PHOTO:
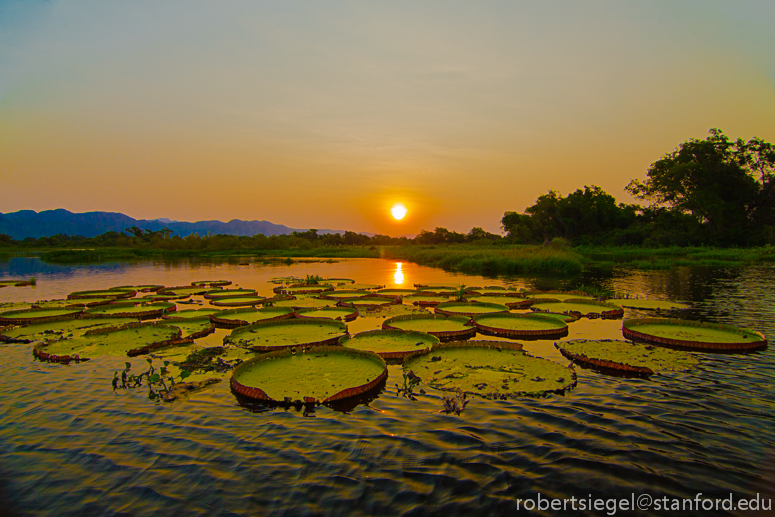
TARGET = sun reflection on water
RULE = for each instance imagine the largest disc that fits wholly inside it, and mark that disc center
(398, 275)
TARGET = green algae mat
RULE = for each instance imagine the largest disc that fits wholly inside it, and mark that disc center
(336, 313)
(26, 316)
(510, 301)
(127, 340)
(580, 307)
(319, 375)
(491, 369)
(626, 356)
(520, 325)
(191, 314)
(267, 336)
(468, 308)
(61, 329)
(229, 293)
(649, 305)
(692, 334)
(443, 327)
(390, 344)
(237, 301)
(240, 317)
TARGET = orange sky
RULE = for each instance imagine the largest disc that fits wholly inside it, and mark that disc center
(323, 115)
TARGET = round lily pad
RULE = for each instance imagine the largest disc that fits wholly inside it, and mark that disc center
(301, 302)
(491, 369)
(238, 301)
(344, 293)
(445, 328)
(303, 289)
(367, 287)
(424, 299)
(240, 317)
(131, 339)
(558, 295)
(336, 313)
(183, 290)
(69, 304)
(520, 326)
(229, 293)
(396, 292)
(191, 314)
(425, 287)
(27, 316)
(211, 283)
(339, 281)
(194, 328)
(16, 283)
(512, 302)
(496, 289)
(60, 329)
(692, 334)
(156, 297)
(366, 302)
(391, 344)
(649, 305)
(146, 288)
(267, 336)
(625, 356)
(105, 293)
(320, 375)
(580, 308)
(142, 311)
(469, 309)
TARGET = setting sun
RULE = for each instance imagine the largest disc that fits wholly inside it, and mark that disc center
(398, 210)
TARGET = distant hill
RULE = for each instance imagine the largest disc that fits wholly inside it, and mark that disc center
(28, 223)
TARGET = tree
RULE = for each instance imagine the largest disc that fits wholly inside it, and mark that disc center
(727, 187)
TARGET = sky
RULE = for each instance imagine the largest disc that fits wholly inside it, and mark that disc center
(324, 114)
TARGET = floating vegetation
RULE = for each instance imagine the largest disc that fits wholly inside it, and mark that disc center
(469, 309)
(446, 328)
(267, 336)
(194, 328)
(301, 302)
(132, 310)
(491, 369)
(105, 293)
(17, 283)
(229, 293)
(366, 287)
(428, 287)
(27, 316)
(535, 326)
(163, 297)
(693, 334)
(60, 329)
(511, 301)
(425, 299)
(162, 385)
(303, 289)
(79, 302)
(240, 317)
(147, 288)
(558, 295)
(580, 308)
(625, 356)
(391, 344)
(211, 283)
(184, 290)
(490, 289)
(344, 293)
(336, 313)
(338, 281)
(396, 292)
(131, 339)
(649, 305)
(238, 301)
(320, 375)
(369, 302)
(191, 314)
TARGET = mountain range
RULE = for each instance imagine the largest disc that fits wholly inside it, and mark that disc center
(28, 223)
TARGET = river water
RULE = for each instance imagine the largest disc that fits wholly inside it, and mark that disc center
(71, 446)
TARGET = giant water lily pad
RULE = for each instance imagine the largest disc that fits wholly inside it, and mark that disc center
(240, 317)
(391, 344)
(366, 302)
(16, 283)
(443, 327)
(367, 287)
(78, 302)
(61, 329)
(144, 288)
(266, 336)
(194, 328)
(424, 299)
(302, 302)
(304, 289)
(336, 313)
(533, 326)
(105, 293)
(238, 301)
(322, 374)
(692, 334)
(512, 302)
(184, 290)
(338, 281)
(559, 295)
(131, 339)
(489, 289)
(27, 316)
(649, 305)
(396, 292)
(229, 293)
(131, 310)
(625, 356)
(580, 307)
(492, 369)
(469, 309)
(211, 283)
(191, 314)
(340, 294)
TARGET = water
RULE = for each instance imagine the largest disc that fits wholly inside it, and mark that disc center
(71, 446)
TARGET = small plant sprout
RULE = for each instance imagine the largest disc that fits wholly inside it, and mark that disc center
(157, 380)
(410, 382)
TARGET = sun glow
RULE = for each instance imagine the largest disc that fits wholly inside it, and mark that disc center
(398, 210)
